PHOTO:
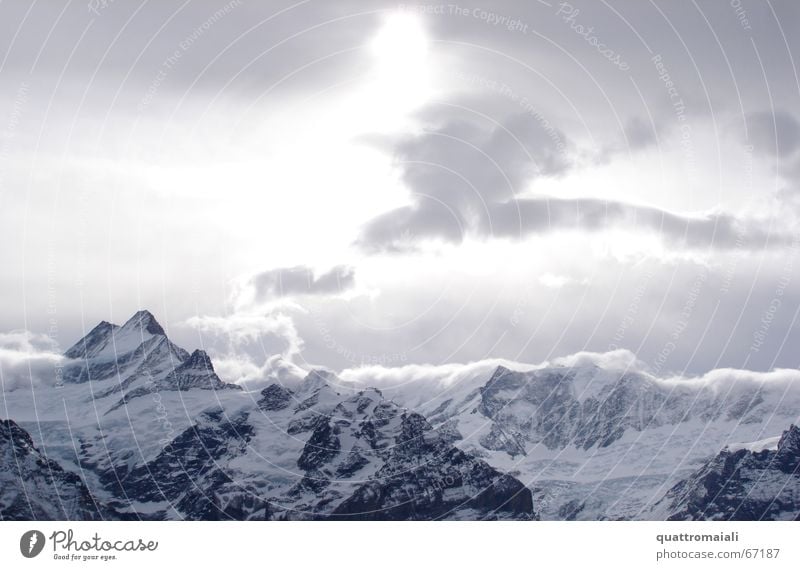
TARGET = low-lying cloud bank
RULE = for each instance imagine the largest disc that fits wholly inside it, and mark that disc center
(417, 385)
(29, 360)
(32, 360)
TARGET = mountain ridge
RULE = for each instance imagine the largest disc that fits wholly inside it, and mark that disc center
(571, 441)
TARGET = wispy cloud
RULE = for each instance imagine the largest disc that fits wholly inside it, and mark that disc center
(301, 280)
(28, 359)
(252, 347)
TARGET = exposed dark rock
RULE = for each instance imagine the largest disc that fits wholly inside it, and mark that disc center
(275, 397)
(742, 485)
(425, 478)
(33, 487)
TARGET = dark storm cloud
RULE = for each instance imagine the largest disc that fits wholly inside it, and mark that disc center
(301, 280)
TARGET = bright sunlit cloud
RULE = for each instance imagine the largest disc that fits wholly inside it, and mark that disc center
(401, 45)
(400, 80)
(319, 163)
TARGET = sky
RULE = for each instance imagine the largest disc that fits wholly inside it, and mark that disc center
(345, 184)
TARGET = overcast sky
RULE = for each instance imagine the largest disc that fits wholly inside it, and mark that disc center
(339, 183)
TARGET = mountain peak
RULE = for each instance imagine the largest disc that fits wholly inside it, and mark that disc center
(199, 359)
(501, 371)
(11, 433)
(94, 341)
(789, 442)
(145, 320)
(318, 378)
(196, 371)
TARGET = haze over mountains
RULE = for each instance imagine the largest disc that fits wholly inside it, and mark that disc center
(140, 428)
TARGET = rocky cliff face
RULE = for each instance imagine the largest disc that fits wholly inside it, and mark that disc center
(35, 488)
(752, 482)
(189, 479)
(426, 478)
(196, 372)
(360, 457)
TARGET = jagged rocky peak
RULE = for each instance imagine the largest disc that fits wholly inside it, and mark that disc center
(789, 443)
(145, 321)
(501, 375)
(199, 360)
(425, 478)
(11, 433)
(275, 397)
(136, 349)
(197, 371)
(94, 341)
(318, 378)
(108, 337)
(513, 382)
(500, 371)
(756, 481)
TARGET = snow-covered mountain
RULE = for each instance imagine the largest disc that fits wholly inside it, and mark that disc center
(141, 428)
(157, 434)
(759, 481)
(607, 442)
(136, 352)
(35, 488)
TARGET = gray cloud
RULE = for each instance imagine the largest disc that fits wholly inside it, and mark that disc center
(466, 173)
(460, 167)
(639, 133)
(539, 215)
(301, 280)
(776, 134)
(28, 360)
(251, 44)
(400, 229)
